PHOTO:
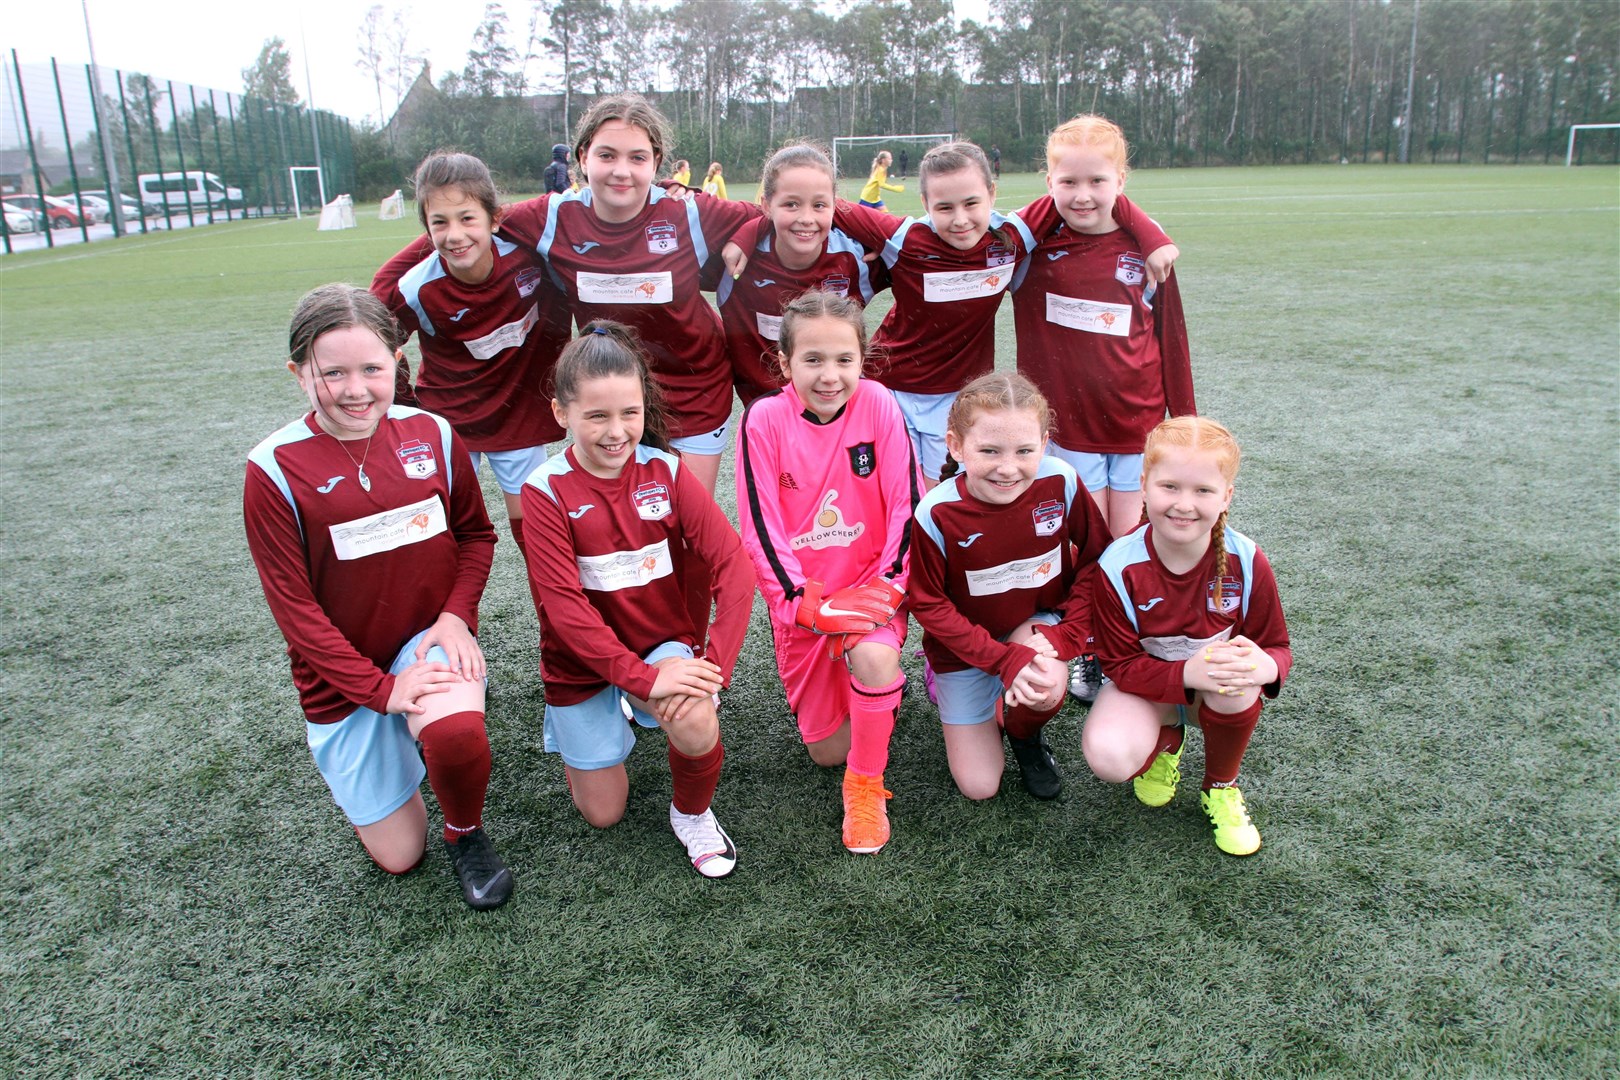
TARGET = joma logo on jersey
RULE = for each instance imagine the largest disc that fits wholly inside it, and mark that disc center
(662, 238)
(1048, 517)
(418, 460)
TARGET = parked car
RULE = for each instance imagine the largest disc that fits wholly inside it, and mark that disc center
(58, 212)
(134, 209)
(193, 188)
(21, 221)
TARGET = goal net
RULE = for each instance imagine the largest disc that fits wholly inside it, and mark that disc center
(393, 207)
(853, 154)
(337, 214)
(308, 189)
(1595, 143)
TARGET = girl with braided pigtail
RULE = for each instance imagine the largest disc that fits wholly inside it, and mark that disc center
(1186, 617)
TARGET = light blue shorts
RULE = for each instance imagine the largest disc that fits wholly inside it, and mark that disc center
(1116, 472)
(593, 733)
(511, 467)
(969, 696)
(710, 444)
(369, 759)
(925, 416)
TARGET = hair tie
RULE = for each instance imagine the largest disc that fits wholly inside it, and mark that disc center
(599, 330)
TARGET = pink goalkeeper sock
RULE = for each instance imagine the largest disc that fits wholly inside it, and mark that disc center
(871, 722)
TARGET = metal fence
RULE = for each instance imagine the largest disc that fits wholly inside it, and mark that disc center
(87, 153)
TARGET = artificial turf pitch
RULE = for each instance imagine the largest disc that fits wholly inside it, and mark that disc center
(1423, 366)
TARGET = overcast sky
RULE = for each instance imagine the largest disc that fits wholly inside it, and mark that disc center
(208, 44)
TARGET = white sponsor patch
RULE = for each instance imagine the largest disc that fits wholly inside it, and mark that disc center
(509, 336)
(1092, 316)
(1180, 647)
(1018, 574)
(625, 569)
(389, 530)
(770, 326)
(656, 288)
(941, 288)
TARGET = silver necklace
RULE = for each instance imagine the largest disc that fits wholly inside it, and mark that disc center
(360, 466)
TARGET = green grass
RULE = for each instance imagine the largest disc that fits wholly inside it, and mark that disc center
(1422, 365)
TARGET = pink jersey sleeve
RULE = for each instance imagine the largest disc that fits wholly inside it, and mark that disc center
(554, 577)
(278, 553)
(710, 534)
(901, 492)
(764, 535)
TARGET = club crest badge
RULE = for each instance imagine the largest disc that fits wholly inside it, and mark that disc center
(999, 254)
(418, 460)
(651, 501)
(836, 283)
(1225, 595)
(528, 280)
(1130, 269)
(1048, 517)
(662, 238)
(862, 459)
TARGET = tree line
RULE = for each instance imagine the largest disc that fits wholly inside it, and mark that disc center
(1193, 82)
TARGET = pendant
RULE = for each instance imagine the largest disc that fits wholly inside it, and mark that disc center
(365, 481)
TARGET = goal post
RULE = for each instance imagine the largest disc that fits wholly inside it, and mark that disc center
(1569, 155)
(849, 146)
(320, 188)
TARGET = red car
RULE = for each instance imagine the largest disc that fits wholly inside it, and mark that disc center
(59, 212)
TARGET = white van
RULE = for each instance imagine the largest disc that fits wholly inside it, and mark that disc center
(173, 189)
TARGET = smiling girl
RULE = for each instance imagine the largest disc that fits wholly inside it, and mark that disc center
(825, 489)
(1000, 583)
(373, 547)
(1187, 618)
(800, 251)
(614, 524)
(487, 319)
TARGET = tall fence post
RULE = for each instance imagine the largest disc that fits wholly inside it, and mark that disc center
(180, 152)
(33, 156)
(73, 169)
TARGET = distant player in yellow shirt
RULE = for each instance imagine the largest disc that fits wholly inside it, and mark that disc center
(683, 173)
(872, 193)
(715, 183)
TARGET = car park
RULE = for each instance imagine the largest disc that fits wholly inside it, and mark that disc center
(58, 212)
(21, 221)
(134, 210)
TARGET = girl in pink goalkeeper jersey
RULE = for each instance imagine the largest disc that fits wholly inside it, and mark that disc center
(826, 485)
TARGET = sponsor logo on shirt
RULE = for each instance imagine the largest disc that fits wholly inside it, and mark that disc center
(829, 529)
(625, 569)
(862, 459)
(1130, 269)
(657, 288)
(1179, 646)
(651, 501)
(389, 529)
(944, 286)
(528, 280)
(417, 459)
(1225, 595)
(662, 238)
(505, 337)
(1092, 316)
(770, 326)
(1031, 573)
(1048, 517)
